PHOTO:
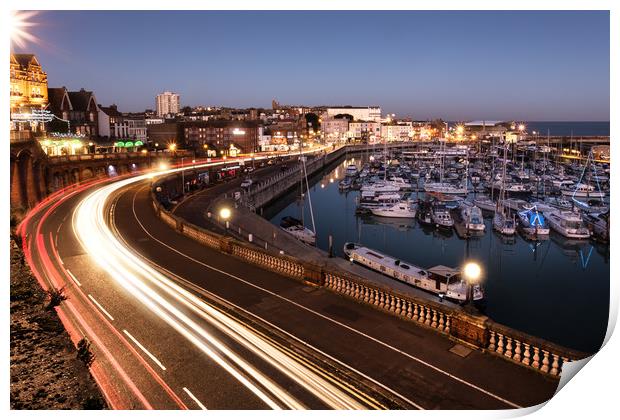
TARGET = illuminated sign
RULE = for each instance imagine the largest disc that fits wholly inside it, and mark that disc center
(238, 132)
(36, 115)
(66, 135)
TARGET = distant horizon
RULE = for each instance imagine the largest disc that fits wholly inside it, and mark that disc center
(478, 63)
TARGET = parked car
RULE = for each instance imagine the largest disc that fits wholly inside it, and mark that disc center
(246, 184)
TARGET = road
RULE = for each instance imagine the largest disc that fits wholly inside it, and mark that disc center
(175, 325)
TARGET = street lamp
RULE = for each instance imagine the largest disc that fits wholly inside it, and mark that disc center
(172, 147)
(472, 272)
(225, 215)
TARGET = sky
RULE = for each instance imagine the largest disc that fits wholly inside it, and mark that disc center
(517, 65)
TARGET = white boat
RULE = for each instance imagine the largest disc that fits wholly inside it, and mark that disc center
(441, 216)
(583, 191)
(441, 280)
(568, 223)
(400, 183)
(445, 188)
(533, 222)
(371, 200)
(380, 187)
(403, 209)
(296, 228)
(351, 170)
(484, 202)
(472, 217)
(515, 204)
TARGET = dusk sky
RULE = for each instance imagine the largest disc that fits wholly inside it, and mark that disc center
(455, 65)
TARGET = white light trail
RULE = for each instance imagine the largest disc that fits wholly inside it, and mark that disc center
(167, 300)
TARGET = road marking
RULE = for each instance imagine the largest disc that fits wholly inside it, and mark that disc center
(410, 356)
(196, 400)
(101, 307)
(73, 277)
(148, 353)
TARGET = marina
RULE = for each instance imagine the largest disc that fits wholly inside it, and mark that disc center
(530, 267)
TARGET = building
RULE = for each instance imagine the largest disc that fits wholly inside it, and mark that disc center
(220, 135)
(28, 92)
(77, 112)
(334, 129)
(400, 131)
(364, 131)
(362, 113)
(118, 126)
(167, 103)
(161, 135)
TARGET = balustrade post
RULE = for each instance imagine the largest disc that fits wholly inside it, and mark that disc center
(517, 355)
(545, 361)
(434, 321)
(508, 353)
(536, 362)
(427, 320)
(526, 354)
(555, 365)
(492, 341)
(500, 343)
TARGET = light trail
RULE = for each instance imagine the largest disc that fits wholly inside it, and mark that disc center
(167, 299)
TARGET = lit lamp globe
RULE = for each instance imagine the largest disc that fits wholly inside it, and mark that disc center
(225, 213)
(472, 272)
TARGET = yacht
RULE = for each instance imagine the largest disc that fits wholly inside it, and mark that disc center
(441, 280)
(371, 200)
(533, 222)
(296, 228)
(400, 183)
(403, 209)
(381, 187)
(441, 216)
(568, 223)
(582, 191)
(424, 213)
(351, 170)
(472, 217)
(345, 184)
(598, 224)
(445, 188)
(484, 202)
(504, 224)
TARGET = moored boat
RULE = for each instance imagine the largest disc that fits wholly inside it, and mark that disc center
(568, 223)
(440, 280)
(296, 228)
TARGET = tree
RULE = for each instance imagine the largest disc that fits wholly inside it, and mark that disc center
(313, 120)
(186, 110)
(347, 116)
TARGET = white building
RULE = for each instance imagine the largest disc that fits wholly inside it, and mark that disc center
(167, 103)
(334, 129)
(402, 131)
(364, 130)
(362, 113)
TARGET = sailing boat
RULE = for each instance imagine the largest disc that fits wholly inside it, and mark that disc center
(446, 187)
(295, 226)
(501, 222)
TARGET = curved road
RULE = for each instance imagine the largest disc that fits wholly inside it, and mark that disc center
(176, 325)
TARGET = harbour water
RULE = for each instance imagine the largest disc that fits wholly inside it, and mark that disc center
(557, 289)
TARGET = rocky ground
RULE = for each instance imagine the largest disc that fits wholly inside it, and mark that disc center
(46, 372)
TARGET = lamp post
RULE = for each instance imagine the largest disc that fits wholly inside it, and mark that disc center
(225, 214)
(472, 272)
